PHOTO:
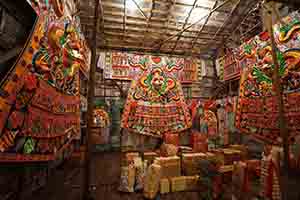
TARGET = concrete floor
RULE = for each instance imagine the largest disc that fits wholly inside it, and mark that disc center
(65, 183)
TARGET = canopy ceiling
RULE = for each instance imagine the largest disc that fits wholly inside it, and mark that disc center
(179, 27)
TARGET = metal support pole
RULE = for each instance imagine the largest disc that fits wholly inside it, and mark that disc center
(91, 94)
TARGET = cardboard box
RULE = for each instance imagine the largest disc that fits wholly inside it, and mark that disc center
(243, 149)
(170, 166)
(178, 184)
(192, 183)
(190, 163)
(150, 157)
(200, 147)
(217, 154)
(184, 183)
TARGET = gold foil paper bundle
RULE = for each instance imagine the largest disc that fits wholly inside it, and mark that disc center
(170, 166)
(150, 156)
(190, 163)
(242, 148)
(168, 150)
(141, 169)
(231, 155)
(184, 183)
(184, 149)
(127, 179)
(178, 184)
(226, 168)
(165, 186)
(152, 181)
(128, 158)
(218, 155)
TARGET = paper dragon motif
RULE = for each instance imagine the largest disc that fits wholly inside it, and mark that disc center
(258, 107)
(39, 99)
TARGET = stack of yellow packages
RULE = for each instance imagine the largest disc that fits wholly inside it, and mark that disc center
(184, 183)
(184, 149)
(190, 163)
(192, 183)
(152, 181)
(165, 186)
(218, 155)
(231, 156)
(226, 168)
(170, 166)
(242, 148)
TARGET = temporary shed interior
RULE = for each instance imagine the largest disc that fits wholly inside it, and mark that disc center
(149, 99)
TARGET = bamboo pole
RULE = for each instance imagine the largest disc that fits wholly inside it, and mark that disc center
(278, 90)
(91, 94)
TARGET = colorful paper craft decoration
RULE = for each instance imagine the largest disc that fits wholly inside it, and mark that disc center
(155, 103)
(101, 118)
(39, 101)
(258, 109)
(117, 65)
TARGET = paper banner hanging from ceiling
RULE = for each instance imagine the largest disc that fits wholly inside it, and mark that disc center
(257, 112)
(116, 65)
(39, 99)
(155, 103)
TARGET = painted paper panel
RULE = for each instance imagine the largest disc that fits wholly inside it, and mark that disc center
(155, 103)
(39, 100)
(118, 65)
(258, 108)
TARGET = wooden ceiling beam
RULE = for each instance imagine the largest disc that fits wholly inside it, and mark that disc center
(228, 18)
(249, 13)
(131, 42)
(110, 25)
(225, 23)
(151, 51)
(185, 23)
(110, 37)
(101, 17)
(119, 31)
(153, 35)
(139, 9)
(148, 22)
(203, 25)
(124, 18)
(195, 23)
(252, 8)
(136, 20)
(203, 7)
